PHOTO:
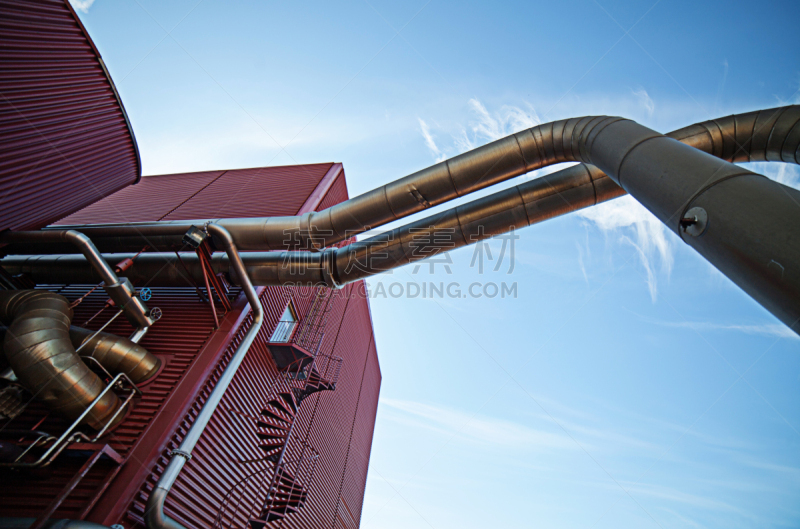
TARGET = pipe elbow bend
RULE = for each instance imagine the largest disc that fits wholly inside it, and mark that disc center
(154, 517)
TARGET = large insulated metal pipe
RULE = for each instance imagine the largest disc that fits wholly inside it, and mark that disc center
(765, 135)
(114, 353)
(119, 290)
(762, 135)
(38, 348)
(745, 224)
(154, 512)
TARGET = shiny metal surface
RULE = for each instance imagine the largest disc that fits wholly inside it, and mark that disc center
(115, 354)
(154, 515)
(119, 290)
(66, 139)
(771, 138)
(740, 203)
(38, 348)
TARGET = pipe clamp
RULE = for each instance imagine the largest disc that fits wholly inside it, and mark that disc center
(183, 453)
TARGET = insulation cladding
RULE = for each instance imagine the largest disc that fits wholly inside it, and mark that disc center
(337, 424)
(66, 140)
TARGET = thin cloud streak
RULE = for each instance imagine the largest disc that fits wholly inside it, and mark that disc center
(429, 142)
(477, 428)
(645, 100)
(636, 226)
(777, 330)
(483, 127)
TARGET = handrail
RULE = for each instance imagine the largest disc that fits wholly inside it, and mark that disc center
(67, 437)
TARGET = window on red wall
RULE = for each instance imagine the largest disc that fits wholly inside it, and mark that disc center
(285, 327)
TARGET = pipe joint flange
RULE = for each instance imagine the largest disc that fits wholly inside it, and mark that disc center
(328, 265)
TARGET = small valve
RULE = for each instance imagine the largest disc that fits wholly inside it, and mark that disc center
(145, 294)
(155, 314)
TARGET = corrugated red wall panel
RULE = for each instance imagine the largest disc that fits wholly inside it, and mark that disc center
(66, 141)
(153, 198)
(338, 424)
(245, 192)
(209, 195)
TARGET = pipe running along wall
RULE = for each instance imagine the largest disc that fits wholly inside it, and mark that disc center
(666, 176)
(765, 135)
(119, 290)
(154, 512)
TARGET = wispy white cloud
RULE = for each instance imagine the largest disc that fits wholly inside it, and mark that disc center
(641, 229)
(777, 330)
(645, 100)
(581, 265)
(507, 120)
(82, 5)
(477, 428)
(429, 142)
(677, 496)
(482, 127)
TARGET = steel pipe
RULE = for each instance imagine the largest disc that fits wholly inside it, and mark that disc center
(115, 353)
(514, 208)
(38, 348)
(118, 289)
(743, 223)
(764, 135)
(604, 142)
(154, 513)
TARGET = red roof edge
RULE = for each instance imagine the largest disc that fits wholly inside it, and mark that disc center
(316, 196)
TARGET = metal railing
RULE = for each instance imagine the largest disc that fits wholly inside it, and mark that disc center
(71, 434)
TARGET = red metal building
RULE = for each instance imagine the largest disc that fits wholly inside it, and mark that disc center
(66, 137)
(56, 93)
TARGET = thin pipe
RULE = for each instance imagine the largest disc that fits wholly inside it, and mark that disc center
(120, 291)
(154, 514)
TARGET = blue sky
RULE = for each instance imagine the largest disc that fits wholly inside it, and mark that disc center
(629, 384)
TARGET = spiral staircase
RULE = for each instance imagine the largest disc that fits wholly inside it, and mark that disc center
(284, 483)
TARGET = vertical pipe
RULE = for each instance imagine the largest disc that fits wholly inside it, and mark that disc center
(154, 514)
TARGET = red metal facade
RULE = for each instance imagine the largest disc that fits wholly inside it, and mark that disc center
(327, 422)
(151, 199)
(209, 195)
(337, 424)
(66, 137)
